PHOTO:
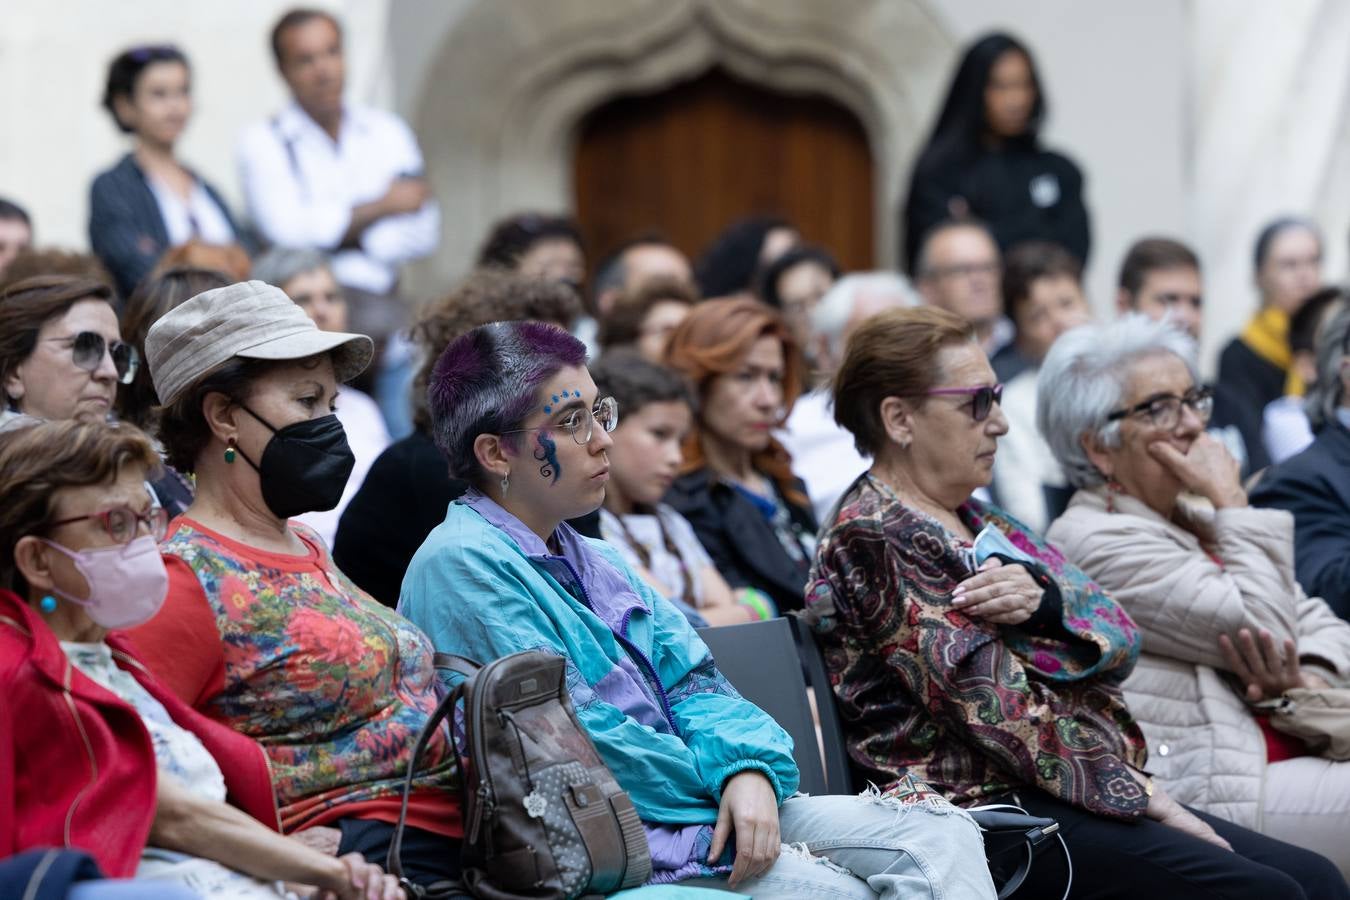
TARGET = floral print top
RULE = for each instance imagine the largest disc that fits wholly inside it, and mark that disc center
(287, 650)
(973, 708)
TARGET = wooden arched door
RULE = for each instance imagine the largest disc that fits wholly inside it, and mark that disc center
(689, 160)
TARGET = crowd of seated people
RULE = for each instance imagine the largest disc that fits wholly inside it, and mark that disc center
(248, 490)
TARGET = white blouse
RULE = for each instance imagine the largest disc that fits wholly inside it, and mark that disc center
(179, 754)
(199, 217)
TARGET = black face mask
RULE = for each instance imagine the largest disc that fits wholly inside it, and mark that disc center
(304, 466)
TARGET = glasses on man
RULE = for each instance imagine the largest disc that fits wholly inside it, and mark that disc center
(87, 349)
(123, 524)
(982, 399)
(1165, 411)
(581, 423)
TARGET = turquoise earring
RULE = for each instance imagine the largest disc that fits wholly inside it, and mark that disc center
(47, 604)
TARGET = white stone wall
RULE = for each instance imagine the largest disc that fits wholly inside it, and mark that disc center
(55, 136)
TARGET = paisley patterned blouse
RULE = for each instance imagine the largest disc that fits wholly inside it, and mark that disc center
(973, 708)
(288, 651)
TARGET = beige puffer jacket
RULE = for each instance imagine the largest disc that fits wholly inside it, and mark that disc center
(1204, 745)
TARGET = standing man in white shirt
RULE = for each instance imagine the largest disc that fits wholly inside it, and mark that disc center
(327, 174)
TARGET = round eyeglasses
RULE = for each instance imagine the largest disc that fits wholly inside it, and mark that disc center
(581, 423)
(122, 523)
(1165, 411)
(87, 349)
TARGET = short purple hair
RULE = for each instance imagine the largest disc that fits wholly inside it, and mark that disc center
(485, 382)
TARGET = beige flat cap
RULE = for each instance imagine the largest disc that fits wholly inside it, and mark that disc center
(252, 320)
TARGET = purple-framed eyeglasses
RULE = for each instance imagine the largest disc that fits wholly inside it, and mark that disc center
(982, 399)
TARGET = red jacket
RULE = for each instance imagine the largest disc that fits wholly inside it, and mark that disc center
(77, 767)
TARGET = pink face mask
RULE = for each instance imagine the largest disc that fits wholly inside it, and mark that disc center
(127, 582)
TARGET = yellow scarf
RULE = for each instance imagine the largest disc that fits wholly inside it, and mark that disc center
(1267, 334)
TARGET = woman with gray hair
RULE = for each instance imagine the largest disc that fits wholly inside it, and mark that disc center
(1161, 522)
(965, 651)
(1315, 484)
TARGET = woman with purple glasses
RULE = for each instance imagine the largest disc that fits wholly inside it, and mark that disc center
(966, 652)
(61, 353)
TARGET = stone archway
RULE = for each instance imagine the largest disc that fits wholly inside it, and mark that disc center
(501, 100)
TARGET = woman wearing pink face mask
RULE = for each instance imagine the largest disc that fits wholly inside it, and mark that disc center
(94, 753)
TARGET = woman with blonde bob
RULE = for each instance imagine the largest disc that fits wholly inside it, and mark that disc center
(966, 651)
(1161, 521)
(737, 489)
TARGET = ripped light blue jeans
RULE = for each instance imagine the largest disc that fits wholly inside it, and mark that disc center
(868, 847)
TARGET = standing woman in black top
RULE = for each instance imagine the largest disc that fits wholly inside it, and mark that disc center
(150, 201)
(984, 158)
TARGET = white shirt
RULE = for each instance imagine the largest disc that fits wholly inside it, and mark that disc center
(823, 454)
(180, 754)
(678, 573)
(199, 217)
(1024, 464)
(300, 187)
(368, 437)
(1285, 429)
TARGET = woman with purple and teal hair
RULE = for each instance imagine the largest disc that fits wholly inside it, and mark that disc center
(516, 413)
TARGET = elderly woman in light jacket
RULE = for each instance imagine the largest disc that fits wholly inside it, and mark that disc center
(1161, 522)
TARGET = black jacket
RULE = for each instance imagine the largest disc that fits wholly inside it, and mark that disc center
(1315, 487)
(126, 230)
(1021, 192)
(742, 544)
(1252, 382)
(405, 495)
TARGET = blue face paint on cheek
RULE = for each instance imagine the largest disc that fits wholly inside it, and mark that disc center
(547, 453)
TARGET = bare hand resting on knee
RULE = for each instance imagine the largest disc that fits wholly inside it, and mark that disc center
(750, 808)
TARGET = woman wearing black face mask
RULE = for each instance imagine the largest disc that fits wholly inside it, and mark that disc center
(260, 630)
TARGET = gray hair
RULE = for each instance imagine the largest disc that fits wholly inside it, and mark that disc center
(280, 264)
(830, 316)
(1327, 395)
(1082, 381)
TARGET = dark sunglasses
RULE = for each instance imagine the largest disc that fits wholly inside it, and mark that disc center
(982, 399)
(87, 349)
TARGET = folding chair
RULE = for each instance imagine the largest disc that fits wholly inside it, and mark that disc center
(765, 661)
(1005, 832)
(760, 661)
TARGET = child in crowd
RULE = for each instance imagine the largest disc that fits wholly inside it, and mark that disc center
(656, 406)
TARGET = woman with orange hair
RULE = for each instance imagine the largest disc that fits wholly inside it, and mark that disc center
(737, 488)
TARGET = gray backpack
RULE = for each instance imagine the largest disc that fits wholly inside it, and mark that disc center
(543, 816)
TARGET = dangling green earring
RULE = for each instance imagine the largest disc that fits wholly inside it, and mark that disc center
(47, 604)
(229, 455)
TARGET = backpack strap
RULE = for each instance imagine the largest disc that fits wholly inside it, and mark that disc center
(393, 863)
